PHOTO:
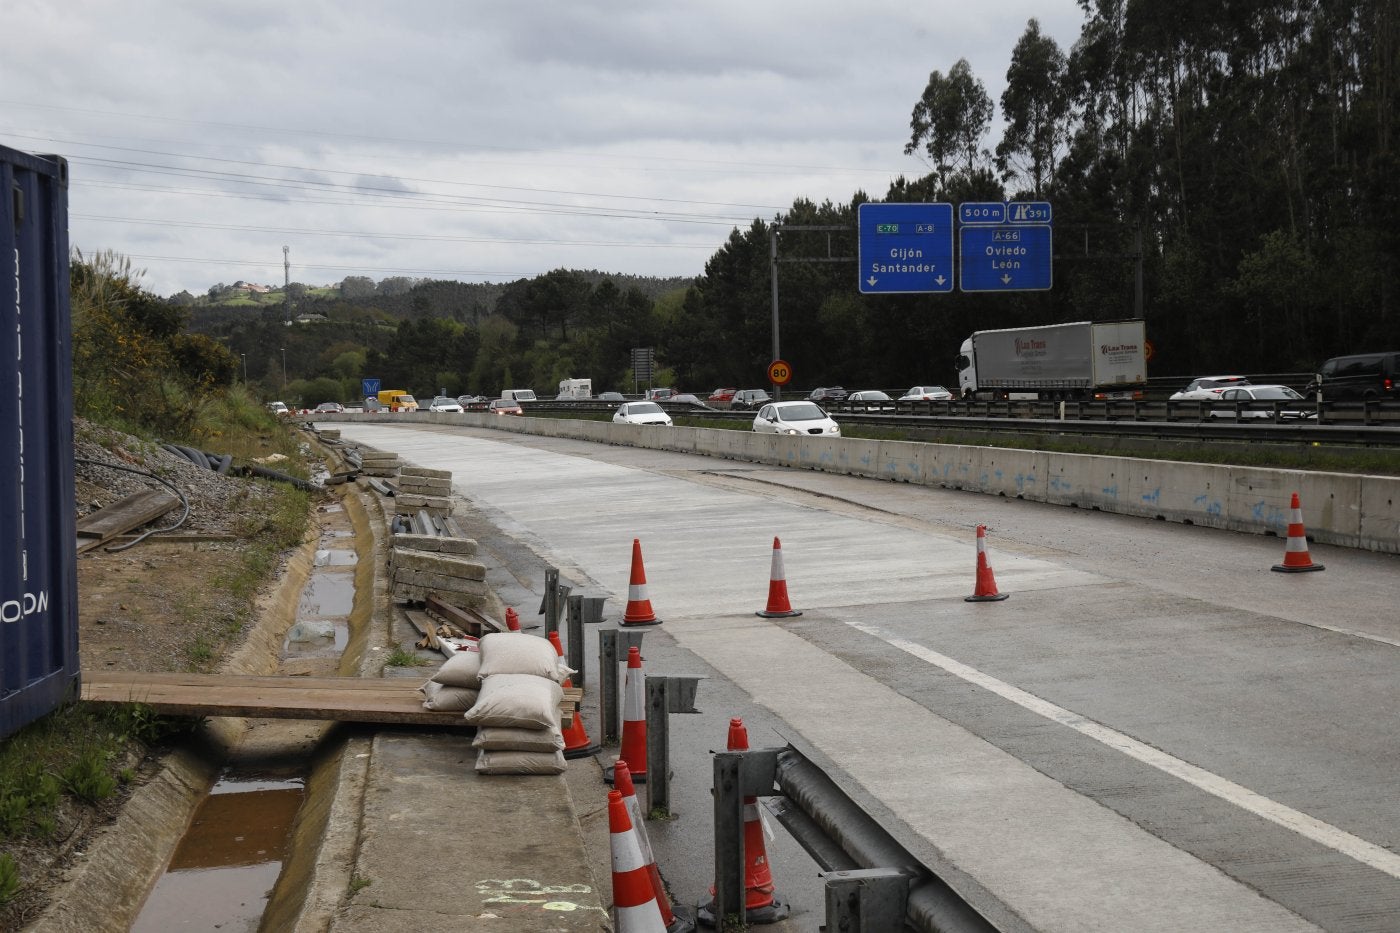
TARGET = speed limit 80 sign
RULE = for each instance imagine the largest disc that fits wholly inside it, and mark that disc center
(779, 372)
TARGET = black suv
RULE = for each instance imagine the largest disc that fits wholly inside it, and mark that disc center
(750, 399)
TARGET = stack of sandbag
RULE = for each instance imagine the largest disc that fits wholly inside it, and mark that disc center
(517, 711)
(456, 685)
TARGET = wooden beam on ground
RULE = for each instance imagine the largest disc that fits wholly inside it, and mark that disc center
(137, 509)
(468, 620)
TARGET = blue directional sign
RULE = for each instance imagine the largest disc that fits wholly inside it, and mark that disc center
(905, 248)
(982, 212)
(1005, 258)
(1028, 212)
(369, 387)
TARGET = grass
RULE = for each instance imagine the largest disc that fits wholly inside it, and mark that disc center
(76, 755)
(402, 657)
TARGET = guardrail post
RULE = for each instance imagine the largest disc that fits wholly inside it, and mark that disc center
(736, 775)
(561, 598)
(612, 648)
(866, 900)
(551, 580)
(664, 695)
(575, 647)
(593, 609)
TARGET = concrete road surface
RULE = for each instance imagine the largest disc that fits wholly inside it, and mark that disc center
(1154, 732)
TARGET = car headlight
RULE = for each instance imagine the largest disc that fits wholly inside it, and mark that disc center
(790, 431)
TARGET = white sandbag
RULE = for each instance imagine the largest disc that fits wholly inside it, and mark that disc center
(445, 699)
(463, 669)
(497, 739)
(519, 653)
(520, 700)
(489, 762)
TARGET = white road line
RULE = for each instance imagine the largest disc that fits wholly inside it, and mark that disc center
(1339, 840)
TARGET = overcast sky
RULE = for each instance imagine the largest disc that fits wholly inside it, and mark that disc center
(482, 141)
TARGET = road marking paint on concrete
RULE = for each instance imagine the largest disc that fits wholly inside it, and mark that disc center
(1339, 840)
(1059, 859)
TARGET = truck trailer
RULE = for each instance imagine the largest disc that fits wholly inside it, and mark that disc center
(1082, 360)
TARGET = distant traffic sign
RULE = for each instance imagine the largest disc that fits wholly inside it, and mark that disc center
(1005, 258)
(369, 388)
(779, 372)
(905, 248)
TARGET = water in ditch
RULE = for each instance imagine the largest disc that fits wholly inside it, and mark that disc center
(225, 867)
(228, 862)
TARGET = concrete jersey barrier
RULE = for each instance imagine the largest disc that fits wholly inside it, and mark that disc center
(1350, 510)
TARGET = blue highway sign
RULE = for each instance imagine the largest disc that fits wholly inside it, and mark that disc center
(369, 387)
(1005, 258)
(982, 212)
(1028, 212)
(905, 248)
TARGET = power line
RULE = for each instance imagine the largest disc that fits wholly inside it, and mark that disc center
(366, 234)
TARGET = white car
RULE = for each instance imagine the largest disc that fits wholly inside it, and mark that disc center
(278, 408)
(926, 394)
(1259, 402)
(641, 413)
(443, 403)
(1207, 388)
(794, 418)
(870, 400)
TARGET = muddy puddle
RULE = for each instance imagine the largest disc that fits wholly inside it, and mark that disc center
(224, 870)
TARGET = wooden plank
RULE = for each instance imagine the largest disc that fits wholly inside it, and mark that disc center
(341, 699)
(137, 509)
(469, 620)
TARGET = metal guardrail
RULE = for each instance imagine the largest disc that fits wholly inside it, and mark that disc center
(879, 884)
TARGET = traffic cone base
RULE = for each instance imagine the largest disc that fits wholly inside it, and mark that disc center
(986, 588)
(639, 611)
(778, 606)
(1296, 558)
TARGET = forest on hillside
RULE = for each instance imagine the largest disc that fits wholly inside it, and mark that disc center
(1237, 155)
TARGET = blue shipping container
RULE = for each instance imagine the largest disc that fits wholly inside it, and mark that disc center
(38, 564)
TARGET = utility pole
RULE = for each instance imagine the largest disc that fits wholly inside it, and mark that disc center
(284, 370)
(287, 282)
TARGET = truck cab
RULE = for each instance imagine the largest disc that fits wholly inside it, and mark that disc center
(966, 366)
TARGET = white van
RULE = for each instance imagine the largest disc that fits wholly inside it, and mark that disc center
(519, 395)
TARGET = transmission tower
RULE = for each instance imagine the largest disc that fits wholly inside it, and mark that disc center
(287, 280)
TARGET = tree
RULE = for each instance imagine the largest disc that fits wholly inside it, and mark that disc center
(1035, 105)
(950, 120)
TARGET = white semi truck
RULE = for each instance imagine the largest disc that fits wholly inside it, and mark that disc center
(1082, 360)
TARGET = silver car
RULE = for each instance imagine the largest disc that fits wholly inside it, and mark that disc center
(795, 418)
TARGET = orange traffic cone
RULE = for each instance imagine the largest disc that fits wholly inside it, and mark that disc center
(675, 923)
(634, 902)
(761, 905)
(512, 620)
(986, 590)
(778, 606)
(576, 742)
(1296, 558)
(639, 611)
(634, 720)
